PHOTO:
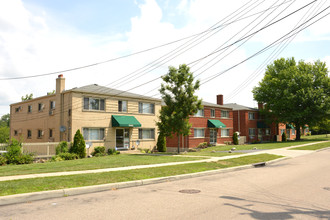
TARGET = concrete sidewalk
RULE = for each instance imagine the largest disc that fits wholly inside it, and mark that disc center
(281, 151)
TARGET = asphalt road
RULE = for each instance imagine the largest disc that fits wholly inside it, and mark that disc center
(296, 188)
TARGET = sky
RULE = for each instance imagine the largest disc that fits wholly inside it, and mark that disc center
(226, 44)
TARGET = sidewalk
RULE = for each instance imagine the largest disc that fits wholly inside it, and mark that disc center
(281, 151)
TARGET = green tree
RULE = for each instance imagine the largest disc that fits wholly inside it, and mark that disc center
(161, 143)
(294, 93)
(4, 134)
(322, 127)
(235, 138)
(177, 93)
(51, 93)
(27, 97)
(78, 147)
(5, 120)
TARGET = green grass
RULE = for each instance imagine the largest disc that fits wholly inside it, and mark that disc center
(210, 154)
(313, 147)
(61, 182)
(319, 137)
(121, 160)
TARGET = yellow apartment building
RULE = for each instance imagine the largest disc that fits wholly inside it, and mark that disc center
(105, 116)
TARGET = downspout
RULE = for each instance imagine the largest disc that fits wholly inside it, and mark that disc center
(239, 127)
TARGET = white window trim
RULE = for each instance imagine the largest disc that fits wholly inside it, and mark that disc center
(212, 109)
(99, 128)
(142, 134)
(199, 129)
(222, 114)
(254, 116)
(146, 113)
(200, 116)
(95, 110)
(227, 130)
(252, 135)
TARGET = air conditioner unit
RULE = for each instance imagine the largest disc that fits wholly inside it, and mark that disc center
(42, 133)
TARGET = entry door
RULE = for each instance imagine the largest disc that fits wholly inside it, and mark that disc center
(288, 133)
(122, 138)
(213, 136)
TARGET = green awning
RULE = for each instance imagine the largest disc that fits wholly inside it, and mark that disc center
(289, 126)
(261, 124)
(125, 121)
(215, 124)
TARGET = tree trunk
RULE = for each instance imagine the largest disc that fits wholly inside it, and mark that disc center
(298, 132)
(178, 143)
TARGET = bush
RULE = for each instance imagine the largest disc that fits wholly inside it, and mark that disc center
(24, 159)
(235, 138)
(14, 154)
(3, 161)
(79, 146)
(62, 147)
(99, 151)
(202, 145)
(284, 137)
(161, 143)
(113, 151)
(65, 156)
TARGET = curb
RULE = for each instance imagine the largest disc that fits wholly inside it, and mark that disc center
(35, 196)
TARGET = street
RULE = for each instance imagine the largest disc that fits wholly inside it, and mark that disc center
(296, 188)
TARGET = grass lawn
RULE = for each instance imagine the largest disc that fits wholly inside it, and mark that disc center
(61, 182)
(205, 152)
(121, 160)
(313, 147)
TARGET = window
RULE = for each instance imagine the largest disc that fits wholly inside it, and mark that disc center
(29, 134)
(69, 112)
(93, 104)
(93, 134)
(29, 108)
(252, 131)
(282, 131)
(293, 131)
(146, 108)
(199, 132)
(146, 133)
(200, 113)
(52, 105)
(18, 109)
(50, 133)
(15, 132)
(40, 133)
(224, 114)
(40, 107)
(267, 131)
(251, 116)
(212, 113)
(224, 132)
(122, 106)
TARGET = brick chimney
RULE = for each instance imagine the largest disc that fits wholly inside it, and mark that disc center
(220, 99)
(260, 106)
(60, 84)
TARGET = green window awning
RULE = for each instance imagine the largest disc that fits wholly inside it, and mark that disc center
(125, 121)
(215, 124)
(261, 124)
(289, 126)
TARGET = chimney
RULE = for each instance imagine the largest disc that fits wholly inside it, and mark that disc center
(220, 99)
(260, 106)
(60, 84)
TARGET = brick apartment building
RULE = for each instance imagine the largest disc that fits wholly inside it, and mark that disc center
(105, 116)
(213, 124)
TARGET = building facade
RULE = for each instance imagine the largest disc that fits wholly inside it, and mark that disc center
(213, 125)
(106, 117)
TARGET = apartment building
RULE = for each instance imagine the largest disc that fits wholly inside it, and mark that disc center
(212, 124)
(105, 116)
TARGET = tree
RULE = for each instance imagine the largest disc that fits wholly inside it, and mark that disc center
(235, 138)
(295, 93)
(322, 127)
(161, 143)
(5, 120)
(4, 128)
(51, 93)
(180, 102)
(78, 147)
(27, 97)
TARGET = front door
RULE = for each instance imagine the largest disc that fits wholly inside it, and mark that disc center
(122, 138)
(213, 136)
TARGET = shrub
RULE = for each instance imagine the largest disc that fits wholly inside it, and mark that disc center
(65, 156)
(3, 160)
(62, 147)
(14, 154)
(202, 145)
(99, 151)
(24, 159)
(113, 151)
(235, 138)
(78, 147)
(161, 143)
(284, 137)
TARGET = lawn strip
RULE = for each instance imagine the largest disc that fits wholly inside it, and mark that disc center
(122, 160)
(312, 147)
(62, 182)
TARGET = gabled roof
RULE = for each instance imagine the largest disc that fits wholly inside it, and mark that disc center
(102, 90)
(207, 104)
(235, 106)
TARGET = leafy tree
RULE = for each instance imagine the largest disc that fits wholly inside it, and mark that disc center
(294, 93)
(27, 97)
(62, 147)
(177, 93)
(322, 127)
(5, 120)
(4, 134)
(78, 147)
(161, 143)
(235, 138)
(51, 93)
